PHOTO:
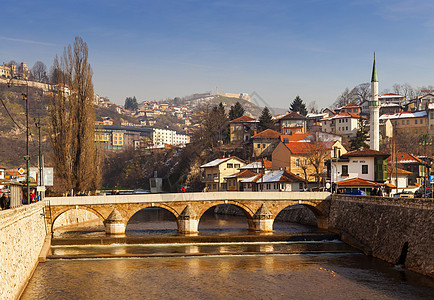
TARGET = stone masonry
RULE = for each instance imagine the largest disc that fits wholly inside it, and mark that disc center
(22, 234)
(397, 230)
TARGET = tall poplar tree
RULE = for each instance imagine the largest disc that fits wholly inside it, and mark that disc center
(72, 112)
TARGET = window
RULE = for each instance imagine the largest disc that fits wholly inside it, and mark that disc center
(415, 121)
(344, 170)
(236, 166)
(230, 166)
(403, 122)
(297, 162)
(347, 128)
(421, 121)
(415, 131)
(432, 116)
(263, 146)
(259, 146)
(364, 169)
(408, 122)
(300, 185)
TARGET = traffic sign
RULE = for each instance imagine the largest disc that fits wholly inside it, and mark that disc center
(40, 188)
(431, 179)
(21, 171)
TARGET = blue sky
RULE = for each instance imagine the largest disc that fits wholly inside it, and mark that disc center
(279, 49)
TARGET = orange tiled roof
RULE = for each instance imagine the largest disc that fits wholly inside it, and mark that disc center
(267, 134)
(406, 158)
(242, 119)
(294, 137)
(366, 152)
(245, 174)
(297, 147)
(357, 181)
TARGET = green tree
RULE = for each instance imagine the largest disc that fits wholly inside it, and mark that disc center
(298, 106)
(359, 141)
(131, 103)
(265, 120)
(72, 113)
(236, 111)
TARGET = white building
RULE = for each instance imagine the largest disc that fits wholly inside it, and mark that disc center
(344, 124)
(274, 181)
(168, 136)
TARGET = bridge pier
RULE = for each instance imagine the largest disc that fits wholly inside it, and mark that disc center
(322, 222)
(115, 223)
(263, 220)
(188, 221)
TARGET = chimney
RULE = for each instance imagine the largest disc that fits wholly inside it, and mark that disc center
(255, 132)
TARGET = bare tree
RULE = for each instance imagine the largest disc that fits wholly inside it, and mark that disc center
(343, 99)
(361, 92)
(39, 72)
(316, 153)
(72, 121)
(312, 107)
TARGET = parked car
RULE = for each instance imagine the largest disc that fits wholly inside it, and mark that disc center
(354, 192)
(404, 195)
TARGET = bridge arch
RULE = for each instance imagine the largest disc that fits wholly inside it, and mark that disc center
(138, 207)
(247, 211)
(320, 215)
(61, 212)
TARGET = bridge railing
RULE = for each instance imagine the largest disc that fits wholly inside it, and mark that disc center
(184, 197)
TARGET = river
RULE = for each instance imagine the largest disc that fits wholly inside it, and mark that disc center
(224, 261)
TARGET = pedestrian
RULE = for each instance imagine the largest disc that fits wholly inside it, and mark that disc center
(380, 192)
(183, 190)
(8, 202)
(3, 202)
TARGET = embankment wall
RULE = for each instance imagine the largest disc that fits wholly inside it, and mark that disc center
(397, 230)
(22, 234)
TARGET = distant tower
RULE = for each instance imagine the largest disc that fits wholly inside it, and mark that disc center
(374, 108)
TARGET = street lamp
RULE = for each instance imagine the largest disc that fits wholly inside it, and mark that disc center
(27, 156)
(425, 140)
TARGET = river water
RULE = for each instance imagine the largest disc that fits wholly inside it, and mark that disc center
(224, 261)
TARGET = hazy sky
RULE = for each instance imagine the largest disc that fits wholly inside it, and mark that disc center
(279, 49)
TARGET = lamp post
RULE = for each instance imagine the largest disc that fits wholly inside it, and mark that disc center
(41, 175)
(425, 140)
(27, 156)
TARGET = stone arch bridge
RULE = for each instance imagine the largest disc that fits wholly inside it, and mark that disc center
(260, 208)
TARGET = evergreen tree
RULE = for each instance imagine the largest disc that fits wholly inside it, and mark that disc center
(236, 111)
(298, 106)
(131, 103)
(359, 141)
(265, 120)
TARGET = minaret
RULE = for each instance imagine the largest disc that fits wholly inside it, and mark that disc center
(374, 108)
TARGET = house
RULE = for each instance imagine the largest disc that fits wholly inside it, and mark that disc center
(411, 163)
(294, 157)
(242, 129)
(260, 166)
(274, 181)
(292, 123)
(430, 118)
(234, 181)
(350, 108)
(214, 172)
(366, 164)
(391, 98)
(345, 124)
(265, 142)
(392, 174)
(408, 123)
(314, 121)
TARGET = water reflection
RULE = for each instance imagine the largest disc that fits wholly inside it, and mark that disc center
(353, 276)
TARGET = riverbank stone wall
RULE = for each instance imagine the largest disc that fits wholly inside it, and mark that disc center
(22, 234)
(397, 230)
